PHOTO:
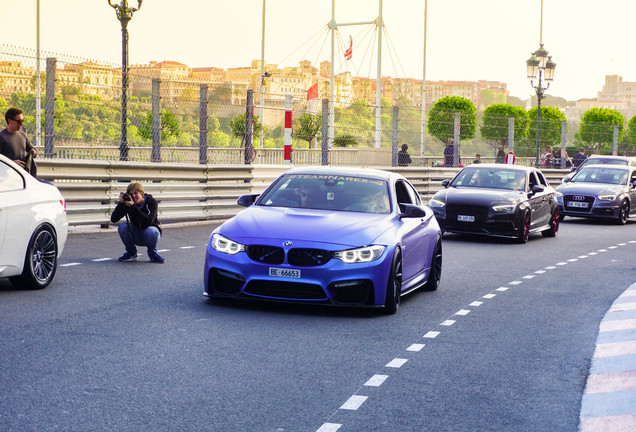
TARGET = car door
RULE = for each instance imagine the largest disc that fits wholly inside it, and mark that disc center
(632, 191)
(413, 234)
(539, 201)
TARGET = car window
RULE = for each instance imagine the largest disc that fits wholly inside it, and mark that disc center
(489, 177)
(414, 195)
(542, 180)
(533, 180)
(404, 194)
(10, 180)
(328, 192)
(601, 175)
(633, 177)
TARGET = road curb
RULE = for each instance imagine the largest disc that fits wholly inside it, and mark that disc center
(609, 399)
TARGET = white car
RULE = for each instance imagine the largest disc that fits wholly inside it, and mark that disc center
(33, 227)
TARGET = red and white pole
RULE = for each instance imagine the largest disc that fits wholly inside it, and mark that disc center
(288, 130)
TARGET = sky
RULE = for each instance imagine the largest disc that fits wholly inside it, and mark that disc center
(465, 39)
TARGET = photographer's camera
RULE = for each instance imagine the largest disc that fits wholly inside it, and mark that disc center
(126, 197)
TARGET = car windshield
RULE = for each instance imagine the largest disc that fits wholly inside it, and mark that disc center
(601, 175)
(329, 192)
(488, 177)
(603, 161)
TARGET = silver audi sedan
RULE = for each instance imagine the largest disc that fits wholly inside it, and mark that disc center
(599, 191)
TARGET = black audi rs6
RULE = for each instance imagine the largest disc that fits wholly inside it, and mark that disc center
(497, 200)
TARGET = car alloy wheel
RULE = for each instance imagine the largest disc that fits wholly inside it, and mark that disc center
(394, 285)
(623, 213)
(40, 262)
(524, 229)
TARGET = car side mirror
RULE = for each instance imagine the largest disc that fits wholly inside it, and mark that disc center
(537, 189)
(567, 179)
(445, 182)
(247, 200)
(411, 211)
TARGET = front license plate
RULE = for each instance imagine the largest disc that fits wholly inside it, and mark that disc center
(577, 204)
(286, 273)
(465, 218)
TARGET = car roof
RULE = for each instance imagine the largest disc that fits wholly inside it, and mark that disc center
(501, 166)
(340, 171)
(610, 157)
(606, 166)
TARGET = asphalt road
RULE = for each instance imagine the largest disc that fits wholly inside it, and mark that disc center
(504, 344)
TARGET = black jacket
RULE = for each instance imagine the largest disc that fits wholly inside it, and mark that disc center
(140, 216)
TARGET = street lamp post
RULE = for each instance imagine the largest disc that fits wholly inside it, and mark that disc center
(541, 66)
(124, 15)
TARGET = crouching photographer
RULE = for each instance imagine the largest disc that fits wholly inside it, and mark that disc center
(141, 227)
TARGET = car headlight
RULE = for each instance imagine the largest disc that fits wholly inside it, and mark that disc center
(504, 208)
(360, 255)
(435, 203)
(225, 245)
(609, 197)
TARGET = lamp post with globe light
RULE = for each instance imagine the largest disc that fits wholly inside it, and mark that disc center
(541, 66)
(124, 15)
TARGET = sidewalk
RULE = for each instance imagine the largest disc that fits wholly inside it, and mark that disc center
(609, 399)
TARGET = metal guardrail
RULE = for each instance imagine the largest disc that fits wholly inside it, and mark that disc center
(189, 192)
(186, 192)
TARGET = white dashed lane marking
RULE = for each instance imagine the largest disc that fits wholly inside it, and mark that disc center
(415, 347)
(70, 264)
(102, 259)
(396, 363)
(356, 401)
(376, 380)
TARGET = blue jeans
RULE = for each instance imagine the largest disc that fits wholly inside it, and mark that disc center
(131, 237)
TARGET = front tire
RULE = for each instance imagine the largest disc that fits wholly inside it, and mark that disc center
(623, 213)
(524, 229)
(435, 274)
(394, 285)
(40, 262)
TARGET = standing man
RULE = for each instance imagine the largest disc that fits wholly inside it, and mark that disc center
(15, 144)
(579, 158)
(403, 157)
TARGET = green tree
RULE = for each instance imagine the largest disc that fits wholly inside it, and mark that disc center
(597, 128)
(237, 125)
(307, 126)
(494, 129)
(550, 127)
(169, 125)
(631, 135)
(441, 118)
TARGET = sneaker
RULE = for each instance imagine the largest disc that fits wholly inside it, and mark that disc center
(156, 258)
(128, 257)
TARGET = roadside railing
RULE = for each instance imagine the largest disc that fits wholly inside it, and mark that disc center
(189, 192)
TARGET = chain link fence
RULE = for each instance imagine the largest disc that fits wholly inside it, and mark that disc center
(190, 115)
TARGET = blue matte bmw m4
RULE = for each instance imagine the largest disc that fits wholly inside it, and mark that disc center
(322, 235)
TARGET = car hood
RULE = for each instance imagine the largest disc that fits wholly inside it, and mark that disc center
(478, 196)
(584, 188)
(349, 229)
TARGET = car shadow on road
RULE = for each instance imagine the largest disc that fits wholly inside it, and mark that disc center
(290, 308)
